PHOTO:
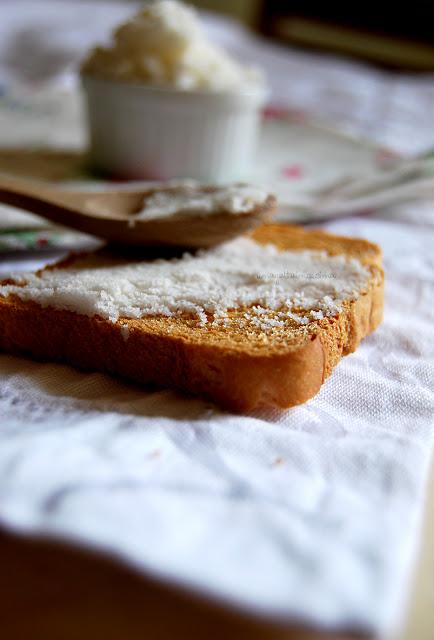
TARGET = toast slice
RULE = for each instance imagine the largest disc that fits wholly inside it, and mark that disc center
(238, 362)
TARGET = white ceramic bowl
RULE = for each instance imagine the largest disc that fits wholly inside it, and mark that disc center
(138, 131)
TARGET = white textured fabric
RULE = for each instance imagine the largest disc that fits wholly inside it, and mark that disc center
(311, 514)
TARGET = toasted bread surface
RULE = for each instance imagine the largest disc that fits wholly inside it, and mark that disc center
(237, 368)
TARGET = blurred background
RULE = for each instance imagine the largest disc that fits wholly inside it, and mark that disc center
(382, 32)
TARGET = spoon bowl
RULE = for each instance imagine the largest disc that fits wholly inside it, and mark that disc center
(113, 215)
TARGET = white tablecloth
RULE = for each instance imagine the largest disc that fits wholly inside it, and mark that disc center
(311, 514)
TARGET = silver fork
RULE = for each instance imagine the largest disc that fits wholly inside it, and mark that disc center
(410, 180)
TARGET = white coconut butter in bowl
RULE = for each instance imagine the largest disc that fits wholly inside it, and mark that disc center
(163, 102)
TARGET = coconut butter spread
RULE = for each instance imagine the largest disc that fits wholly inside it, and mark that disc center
(195, 200)
(275, 288)
(165, 45)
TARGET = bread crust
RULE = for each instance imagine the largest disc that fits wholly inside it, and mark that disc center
(237, 374)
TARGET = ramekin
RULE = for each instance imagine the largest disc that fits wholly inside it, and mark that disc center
(144, 132)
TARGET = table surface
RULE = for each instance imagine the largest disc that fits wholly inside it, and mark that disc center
(420, 620)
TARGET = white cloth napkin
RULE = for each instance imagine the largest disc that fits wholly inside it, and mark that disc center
(310, 515)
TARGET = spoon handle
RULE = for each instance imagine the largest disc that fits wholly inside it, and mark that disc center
(27, 194)
(45, 201)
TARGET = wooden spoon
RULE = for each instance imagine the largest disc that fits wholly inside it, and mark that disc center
(112, 215)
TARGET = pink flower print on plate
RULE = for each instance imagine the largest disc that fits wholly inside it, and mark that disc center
(292, 172)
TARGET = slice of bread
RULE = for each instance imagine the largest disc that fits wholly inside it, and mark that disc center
(236, 363)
